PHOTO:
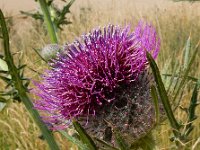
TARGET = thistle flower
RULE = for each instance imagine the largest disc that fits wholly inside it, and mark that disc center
(102, 77)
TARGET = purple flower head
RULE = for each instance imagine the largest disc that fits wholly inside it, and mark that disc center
(89, 74)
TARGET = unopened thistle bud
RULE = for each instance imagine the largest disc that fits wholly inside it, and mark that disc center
(50, 51)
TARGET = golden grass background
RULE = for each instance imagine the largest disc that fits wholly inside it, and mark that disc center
(174, 23)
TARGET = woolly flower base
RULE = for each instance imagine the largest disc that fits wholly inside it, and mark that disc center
(132, 113)
(101, 77)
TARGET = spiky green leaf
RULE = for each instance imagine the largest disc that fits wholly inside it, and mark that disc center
(36, 15)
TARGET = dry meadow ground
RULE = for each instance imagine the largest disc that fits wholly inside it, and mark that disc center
(174, 23)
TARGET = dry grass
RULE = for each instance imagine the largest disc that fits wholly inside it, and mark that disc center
(174, 22)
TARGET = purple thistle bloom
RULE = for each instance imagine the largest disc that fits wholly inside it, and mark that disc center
(90, 74)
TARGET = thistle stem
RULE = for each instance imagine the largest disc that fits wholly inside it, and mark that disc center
(14, 72)
(48, 21)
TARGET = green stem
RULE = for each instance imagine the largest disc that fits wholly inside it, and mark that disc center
(48, 21)
(14, 72)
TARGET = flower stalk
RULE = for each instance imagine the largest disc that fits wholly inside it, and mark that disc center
(49, 23)
(16, 79)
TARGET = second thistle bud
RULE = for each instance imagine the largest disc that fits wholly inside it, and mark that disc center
(50, 51)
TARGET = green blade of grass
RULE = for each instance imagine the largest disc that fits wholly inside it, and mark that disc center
(192, 108)
(176, 83)
(172, 79)
(14, 72)
(120, 141)
(36, 51)
(105, 144)
(74, 140)
(186, 71)
(147, 142)
(163, 95)
(156, 103)
(186, 54)
(84, 136)
(176, 75)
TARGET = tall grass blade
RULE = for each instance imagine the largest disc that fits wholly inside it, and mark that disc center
(176, 75)
(156, 103)
(36, 51)
(186, 72)
(172, 79)
(186, 54)
(177, 81)
(192, 108)
(86, 139)
(147, 142)
(120, 141)
(74, 140)
(163, 94)
(105, 145)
